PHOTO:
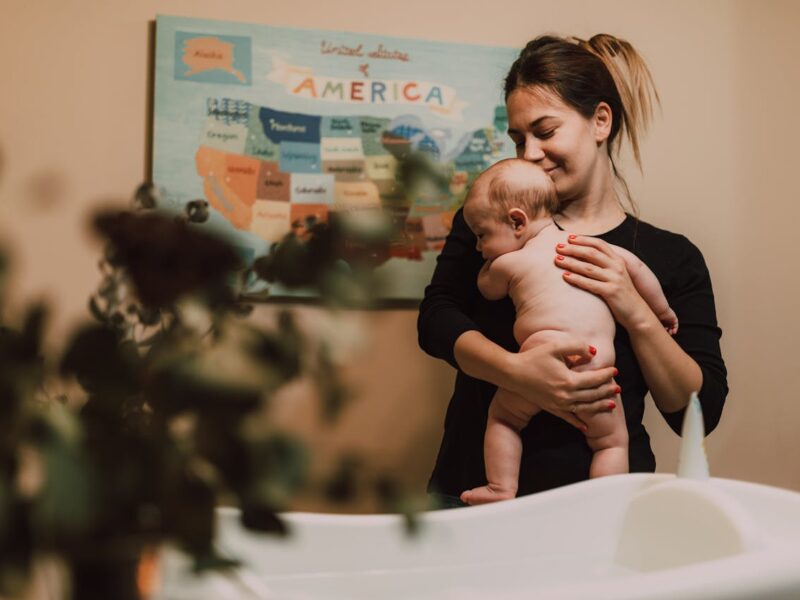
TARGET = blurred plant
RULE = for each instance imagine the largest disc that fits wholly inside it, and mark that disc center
(175, 385)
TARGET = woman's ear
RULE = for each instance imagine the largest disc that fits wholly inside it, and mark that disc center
(518, 219)
(602, 120)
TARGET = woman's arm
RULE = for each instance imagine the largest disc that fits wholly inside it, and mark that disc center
(670, 372)
(540, 375)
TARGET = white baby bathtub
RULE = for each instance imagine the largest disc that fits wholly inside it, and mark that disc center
(622, 537)
(627, 536)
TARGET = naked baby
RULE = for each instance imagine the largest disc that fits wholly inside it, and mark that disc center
(510, 209)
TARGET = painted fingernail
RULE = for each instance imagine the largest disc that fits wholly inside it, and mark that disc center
(572, 237)
(592, 350)
(584, 428)
(559, 257)
(559, 245)
(617, 390)
(612, 405)
(616, 371)
(567, 273)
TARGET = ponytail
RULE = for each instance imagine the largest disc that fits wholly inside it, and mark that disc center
(633, 81)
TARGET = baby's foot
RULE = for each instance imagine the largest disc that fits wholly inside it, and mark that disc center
(487, 493)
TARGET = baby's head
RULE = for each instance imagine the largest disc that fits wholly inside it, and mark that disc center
(508, 204)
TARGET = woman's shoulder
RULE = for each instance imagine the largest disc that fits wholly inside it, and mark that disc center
(666, 252)
(646, 236)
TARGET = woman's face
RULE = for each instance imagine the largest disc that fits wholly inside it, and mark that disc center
(568, 146)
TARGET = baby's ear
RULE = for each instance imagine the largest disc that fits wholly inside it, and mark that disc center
(518, 219)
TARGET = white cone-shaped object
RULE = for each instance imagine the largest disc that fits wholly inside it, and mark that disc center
(693, 462)
(686, 520)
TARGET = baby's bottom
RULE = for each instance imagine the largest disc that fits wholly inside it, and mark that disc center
(607, 434)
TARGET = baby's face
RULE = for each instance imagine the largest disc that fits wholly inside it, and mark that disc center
(495, 236)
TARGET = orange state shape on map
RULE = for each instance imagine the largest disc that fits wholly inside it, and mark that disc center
(241, 174)
(209, 53)
(212, 166)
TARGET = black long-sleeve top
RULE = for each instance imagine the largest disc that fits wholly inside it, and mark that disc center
(554, 452)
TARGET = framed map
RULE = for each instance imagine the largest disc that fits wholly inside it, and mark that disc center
(277, 126)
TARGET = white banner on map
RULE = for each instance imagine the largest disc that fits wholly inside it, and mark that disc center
(301, 81)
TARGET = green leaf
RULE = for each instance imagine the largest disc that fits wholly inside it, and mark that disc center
(278, 470)
(213, 561)
(100, 362)
(263, 519)
(342, 486)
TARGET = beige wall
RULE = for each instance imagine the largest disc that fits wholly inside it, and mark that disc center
(720, 167)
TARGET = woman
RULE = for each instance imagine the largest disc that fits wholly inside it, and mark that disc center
(569, 102)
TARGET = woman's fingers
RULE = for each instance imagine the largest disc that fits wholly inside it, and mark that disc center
(587, 248)
(588, 409)
(603, 392)
(574, 352)
(593, 379)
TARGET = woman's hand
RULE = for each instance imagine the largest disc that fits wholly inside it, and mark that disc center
(542, 375)
(590, 264)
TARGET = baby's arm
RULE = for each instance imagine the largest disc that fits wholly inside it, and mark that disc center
(646, 283)
(494, 278)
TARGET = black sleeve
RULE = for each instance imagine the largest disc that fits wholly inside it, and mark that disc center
(692, 299)
(451, 295)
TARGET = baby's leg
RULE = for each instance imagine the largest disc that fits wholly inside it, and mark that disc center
(502, 447)
(502, 451)
(607, 436)
(607, 432)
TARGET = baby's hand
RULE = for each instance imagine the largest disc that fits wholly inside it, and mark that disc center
(670, 321)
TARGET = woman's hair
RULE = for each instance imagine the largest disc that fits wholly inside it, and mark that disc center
(583, 74)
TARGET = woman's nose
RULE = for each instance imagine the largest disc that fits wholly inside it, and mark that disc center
(531, 151)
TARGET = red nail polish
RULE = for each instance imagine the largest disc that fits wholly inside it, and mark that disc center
(616, 371)
(592, 350)
(567, 273)
(572, 237)
(559, 245)
(617, 390)
(612, 405)
(584, 429)
(559, 257)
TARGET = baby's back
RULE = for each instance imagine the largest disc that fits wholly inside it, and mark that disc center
(544, 301)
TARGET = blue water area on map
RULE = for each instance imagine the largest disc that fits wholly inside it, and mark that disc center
(242, 60)
(282, 126)
(300, 157)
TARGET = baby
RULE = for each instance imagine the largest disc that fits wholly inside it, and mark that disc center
(510, 209)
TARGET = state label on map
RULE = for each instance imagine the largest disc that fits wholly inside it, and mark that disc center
(281, 126)
(354, 195)
(273, 184)
(271, 219)
(228, 137)
(342, 148)
(312, 189)
(344, 170)
(340, 127)
(381, 167)
(300, 157)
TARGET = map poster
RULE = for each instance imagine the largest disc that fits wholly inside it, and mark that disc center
(279, 127)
